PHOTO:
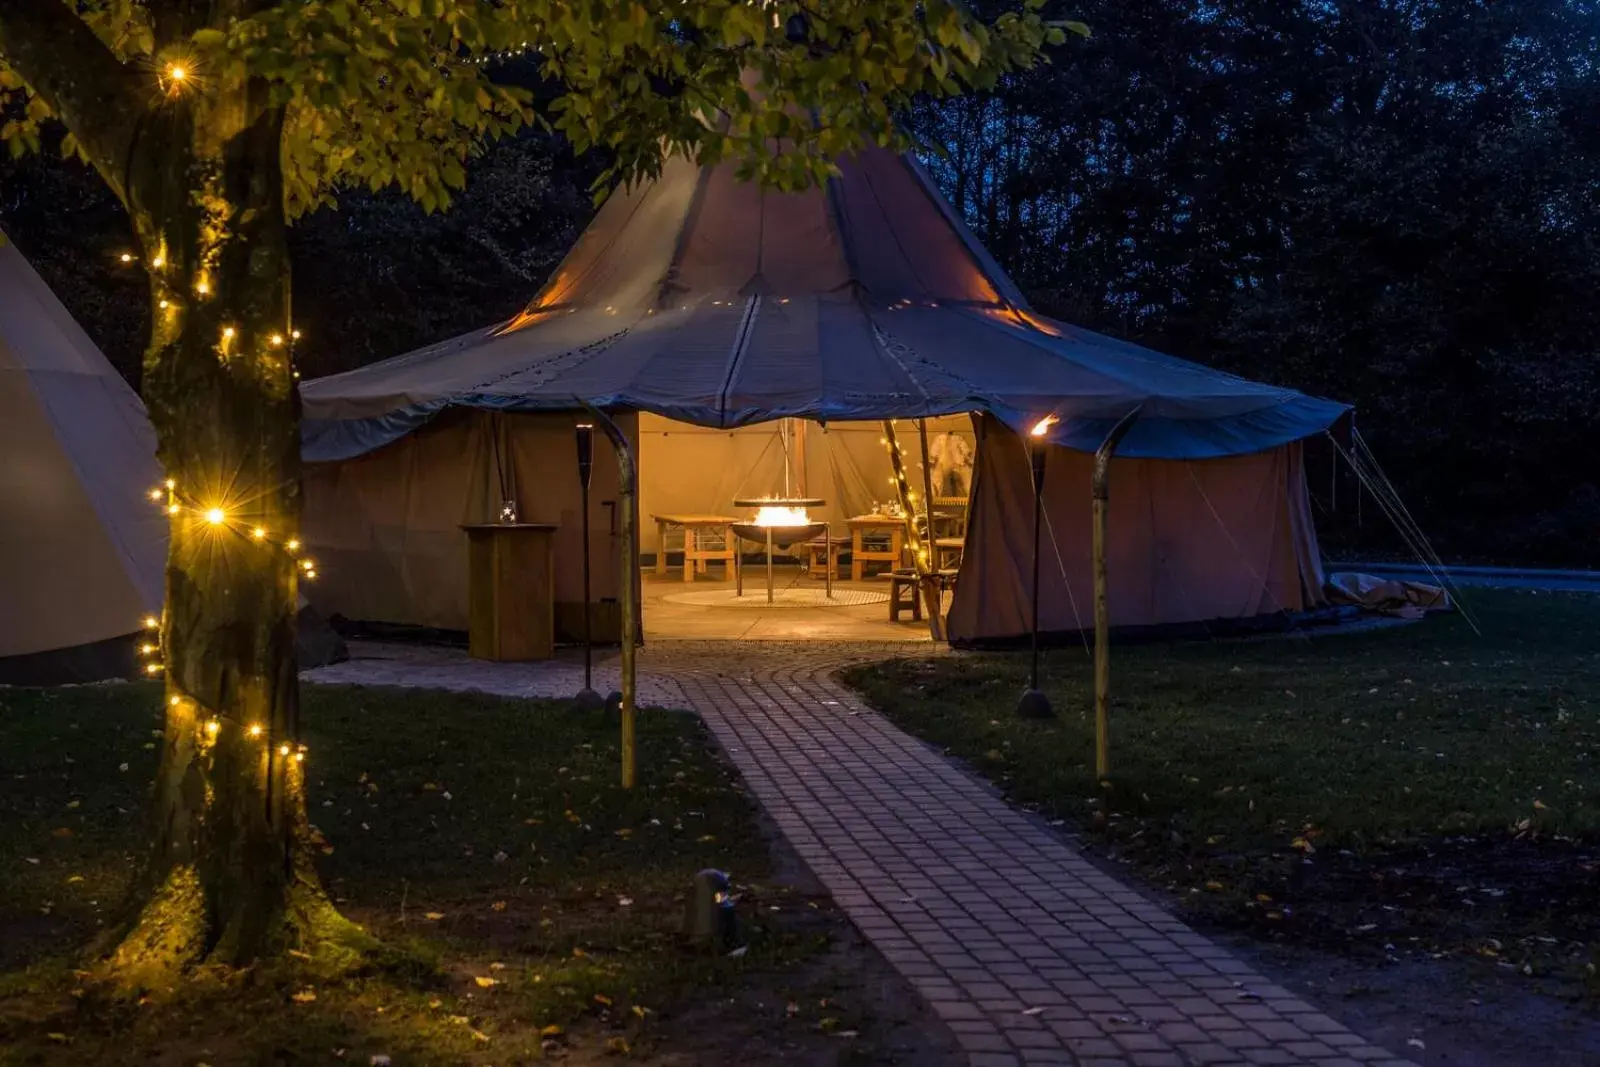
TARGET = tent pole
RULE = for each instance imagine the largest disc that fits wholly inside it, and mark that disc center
(920, 563)
(1101, 490)
(628, 501)
(927, 487)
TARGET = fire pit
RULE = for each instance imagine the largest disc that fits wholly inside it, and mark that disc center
(779, 522)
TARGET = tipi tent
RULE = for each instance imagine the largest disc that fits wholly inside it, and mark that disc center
(696, 307)
(81, 548)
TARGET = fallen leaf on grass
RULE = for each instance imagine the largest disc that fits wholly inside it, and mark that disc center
(601, 998)
(58, 1037)
(479, 1035)
(305, 996)
(498, 905)
(551, 1031)
(484, 982)
(618, 1046)
(640, 1012)
(433, 916)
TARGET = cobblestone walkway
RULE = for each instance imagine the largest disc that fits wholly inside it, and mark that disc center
(1031, 953)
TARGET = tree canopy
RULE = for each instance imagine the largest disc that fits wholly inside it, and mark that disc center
(381, 93)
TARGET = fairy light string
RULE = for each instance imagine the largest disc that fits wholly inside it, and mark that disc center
(209, 725)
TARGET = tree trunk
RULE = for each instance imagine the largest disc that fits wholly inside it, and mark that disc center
(229, 879)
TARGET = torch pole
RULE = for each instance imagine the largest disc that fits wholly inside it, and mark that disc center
(587, 698)
(1033, 703)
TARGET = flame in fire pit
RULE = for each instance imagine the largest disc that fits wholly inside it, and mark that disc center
(769, 515)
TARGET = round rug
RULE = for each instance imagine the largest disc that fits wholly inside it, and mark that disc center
(755, 596)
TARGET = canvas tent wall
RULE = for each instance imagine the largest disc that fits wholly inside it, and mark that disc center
(81, 549)
(703, 300)
(1187, 541)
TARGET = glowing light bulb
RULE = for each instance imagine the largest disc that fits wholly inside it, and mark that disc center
(152, 668)
(202, 288)
(156, 494)
(227, 332)
(299, 757)
(147, 649)
(151, 622)
(255, 729)
(126, 257)
(295, 334)
(172, 509)
(283, 750)
(177, 73)
(293, 545)
(175, 701)
(162, 303)
(275, 340)
(216, 516)
(159, 262)
(171, 483)
(258, 533)
(212, 726)
(311, 575)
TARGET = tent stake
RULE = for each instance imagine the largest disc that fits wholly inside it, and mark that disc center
(628, 502)
(1102, 605)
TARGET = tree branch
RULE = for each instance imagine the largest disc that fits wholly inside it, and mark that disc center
(60, 58)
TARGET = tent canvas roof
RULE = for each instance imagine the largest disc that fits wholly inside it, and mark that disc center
(709, 300)
(81, 548)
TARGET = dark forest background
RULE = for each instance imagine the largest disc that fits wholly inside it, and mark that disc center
(1394, 203)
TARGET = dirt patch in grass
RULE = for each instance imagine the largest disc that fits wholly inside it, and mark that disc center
(533, 909)
(1403, 796)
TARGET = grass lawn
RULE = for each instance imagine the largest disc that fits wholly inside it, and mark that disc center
(536, 907)
(1410, 791)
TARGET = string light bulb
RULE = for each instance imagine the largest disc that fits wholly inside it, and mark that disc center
(275, 340)
(283, 750)
(293, 544)
(227, 332)
(172, 483)
(162, 304)
(202, 287)
(212, 726)
(126, 257)
(175, 701)
(216, 516)
(159, 262)
(254, 730)
(152, 668)
(177, 72)
(258, 533)
(152, 623)
(295, 334)
(156, 495)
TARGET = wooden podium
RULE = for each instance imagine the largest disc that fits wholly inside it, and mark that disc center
(510, 591)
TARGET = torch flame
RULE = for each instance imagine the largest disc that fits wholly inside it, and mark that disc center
(1042, 427)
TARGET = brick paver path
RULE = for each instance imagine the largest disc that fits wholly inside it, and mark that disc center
(1031, 953)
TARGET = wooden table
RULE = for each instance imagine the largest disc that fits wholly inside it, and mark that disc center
(699, 531)
(511, 582)
(864, 526)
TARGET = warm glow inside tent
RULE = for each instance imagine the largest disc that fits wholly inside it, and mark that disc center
(700, 311)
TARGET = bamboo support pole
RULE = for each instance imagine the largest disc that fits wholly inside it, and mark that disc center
(1101, 490)
(628, 504)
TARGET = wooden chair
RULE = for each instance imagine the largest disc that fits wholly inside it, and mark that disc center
(947, 552)
(825, 551)
(905, 591)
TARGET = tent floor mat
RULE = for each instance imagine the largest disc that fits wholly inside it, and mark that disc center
(755, 596)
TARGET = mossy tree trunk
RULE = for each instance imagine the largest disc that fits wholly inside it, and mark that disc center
(229, 878)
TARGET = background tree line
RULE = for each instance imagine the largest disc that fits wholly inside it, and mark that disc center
(1395, 203)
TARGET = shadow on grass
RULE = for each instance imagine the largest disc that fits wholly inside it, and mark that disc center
(528, 903)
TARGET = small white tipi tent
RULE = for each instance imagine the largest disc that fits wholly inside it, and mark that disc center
(81, 547)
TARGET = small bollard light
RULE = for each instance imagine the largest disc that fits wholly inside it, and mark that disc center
(711, 919)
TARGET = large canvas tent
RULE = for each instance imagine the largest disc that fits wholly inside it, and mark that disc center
(697, 308)
(82, 548)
